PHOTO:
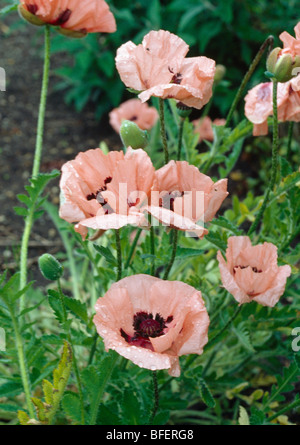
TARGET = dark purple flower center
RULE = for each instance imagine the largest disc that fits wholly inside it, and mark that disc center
(145, 326)
(244, 267)
(167, 201)
(62, 18)
(177, 78)
(98, 196)
(32, 8)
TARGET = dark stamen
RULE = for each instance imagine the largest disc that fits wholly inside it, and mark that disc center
(32, 8)
(255, 270)
(145, 327)
(62, 18)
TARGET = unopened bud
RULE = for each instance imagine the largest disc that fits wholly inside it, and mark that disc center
(132, 135)
(183, 110)
(219, 74)
(30, 18)
(50, 268)
(282, 65)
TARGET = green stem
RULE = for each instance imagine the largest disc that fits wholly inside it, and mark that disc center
(275, 146)
(267, 43)
(290, 138)
(214, 339)
(67, 331)
(152, 245)
(290, 406)
(156, 397)
(23, 366)
(36, 165)
(173, 255)
(181, 126)
(163, 129)
(119, 254)
(132, 248)
(42, 108)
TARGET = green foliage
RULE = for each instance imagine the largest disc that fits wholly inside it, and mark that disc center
(53, 392)
(210, 28)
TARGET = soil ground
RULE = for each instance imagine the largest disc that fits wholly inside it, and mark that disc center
(66, 134)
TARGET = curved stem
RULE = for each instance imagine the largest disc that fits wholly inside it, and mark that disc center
(163, 129)
(23, 366)
(267, 43)
(173, 255)
(119, 254)
(213, 340)
(156, 397)
(275, 146)
(181, 125)
(36, 165)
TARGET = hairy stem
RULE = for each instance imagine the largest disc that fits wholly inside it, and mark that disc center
(163, 130)
(275, 146)
(36, 165)
(180, 135)
(23, 366)
(267, 43)
(152, 246)
(156, 397)
(119, 254)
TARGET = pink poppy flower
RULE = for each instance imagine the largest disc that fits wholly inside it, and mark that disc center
(152, 322)
(133, 110)
(291, 45)
(105, 191)
(182, 196)
(158, 67)
(259, 104)
(251, 272)
(83, 16)
(203, 127)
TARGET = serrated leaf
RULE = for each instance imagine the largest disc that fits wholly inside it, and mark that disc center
(206, 395)
(23, 417)
(104, 251)
(48, 391)
(71, 406)
(56, 305)
(77, 308)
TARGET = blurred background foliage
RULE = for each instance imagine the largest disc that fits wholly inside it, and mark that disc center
(229, 31)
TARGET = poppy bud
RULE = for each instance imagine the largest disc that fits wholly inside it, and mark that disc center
(281, 65)
(219, 74)
(50, 268)
(30, 18)
(132, 135)
(183, 110)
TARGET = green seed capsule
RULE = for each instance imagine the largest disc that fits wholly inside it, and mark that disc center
(50, 267)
